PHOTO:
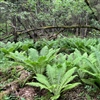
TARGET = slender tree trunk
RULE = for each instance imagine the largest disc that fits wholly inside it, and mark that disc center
(14, 29)
(85, 32)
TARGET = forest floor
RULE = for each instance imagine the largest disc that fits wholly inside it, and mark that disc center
(17, 89)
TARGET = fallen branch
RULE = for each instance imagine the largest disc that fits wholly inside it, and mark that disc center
(51, 27)
(64, 27)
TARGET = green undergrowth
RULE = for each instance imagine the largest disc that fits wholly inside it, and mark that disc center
(56, 65)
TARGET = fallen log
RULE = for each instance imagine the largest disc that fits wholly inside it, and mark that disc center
(19, 32)
(64, 27)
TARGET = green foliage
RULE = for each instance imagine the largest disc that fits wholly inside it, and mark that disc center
(12, 46)
(57, 80)
(5, 63)
(93, 68)
(11, 97)
(88, 65)
(88, 97)
(63, 56)
(54, 69)
(59, 59)
(35, 61)
(78, 59)
(25, 45)
(44, 13)
(68, 45)
(9, 47)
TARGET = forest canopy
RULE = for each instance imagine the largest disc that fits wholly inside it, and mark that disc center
(31, 16)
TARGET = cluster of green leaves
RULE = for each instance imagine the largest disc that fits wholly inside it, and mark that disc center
(33, 60)
(68, 45)
(56, 80)
(6, 48)
(53, 69)
(93, 68)
(4, 62)
(88, 65)
(19, 46)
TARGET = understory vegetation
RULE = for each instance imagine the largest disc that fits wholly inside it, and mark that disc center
(52, 66)
(49, 49)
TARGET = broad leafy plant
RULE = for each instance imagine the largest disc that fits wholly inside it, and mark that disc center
(78, 60)
(25, 45)
(88, 65)
(68, 45)
(56, 80)
(93, 68)
(83, 45)
(12, 46)
(9, 47)
(59, 59)
(5, 63)
(35, 61)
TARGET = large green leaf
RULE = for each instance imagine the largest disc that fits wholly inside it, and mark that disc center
(56, 79)
(70, 86)
(37, 84)
(33, 54)
(51, 54)
(42, 79)
(51, 73)
(44, 51)
(55, 97)
(61, 70)
(67, 75)
(17, 56)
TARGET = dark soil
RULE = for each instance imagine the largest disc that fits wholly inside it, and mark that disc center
(78, 93)
(82, 92)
